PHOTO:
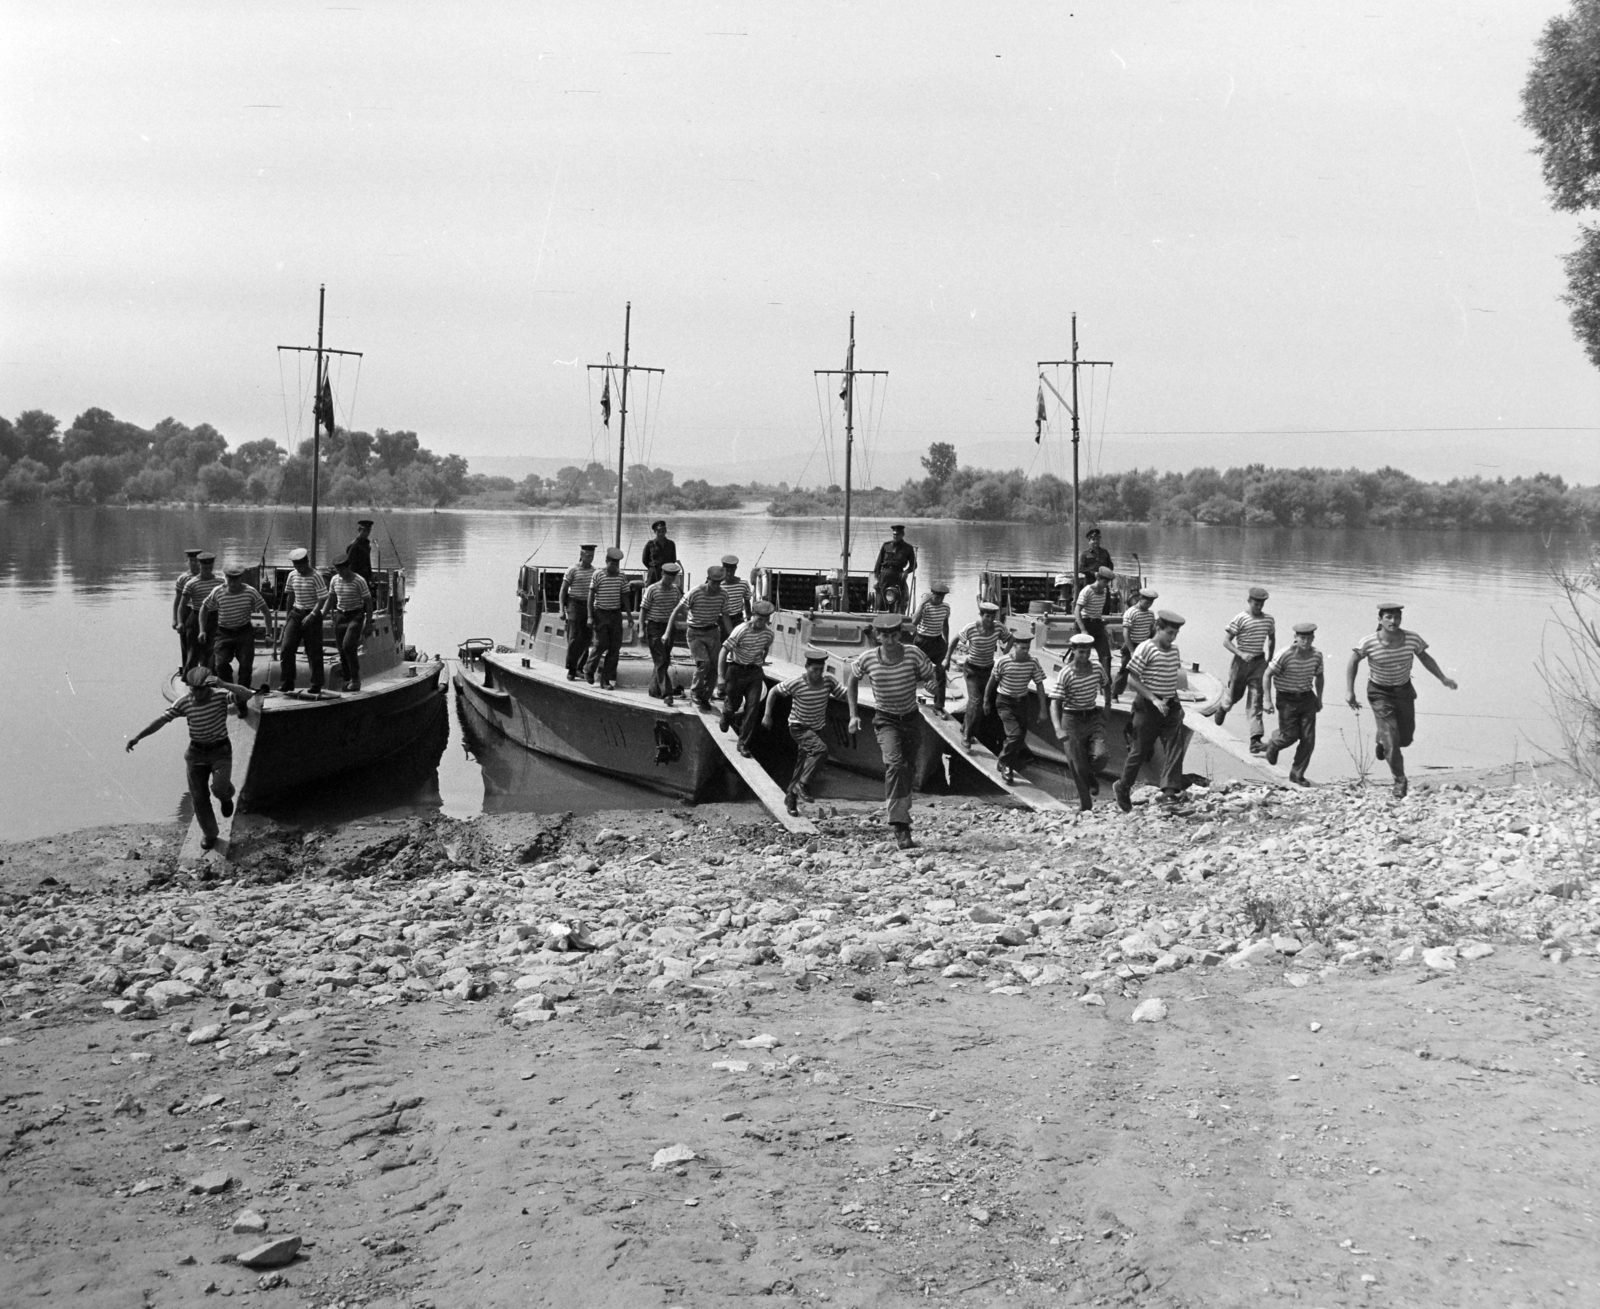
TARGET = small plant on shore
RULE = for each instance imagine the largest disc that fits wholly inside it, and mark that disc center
(1263, 913)
(1570, 666)
(1360, 753)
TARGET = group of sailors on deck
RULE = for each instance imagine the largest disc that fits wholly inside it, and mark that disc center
(213, 617)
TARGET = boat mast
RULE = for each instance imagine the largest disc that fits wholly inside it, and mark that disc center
(1072, 407)
(848, 394)
(622, 432)
(320, 413)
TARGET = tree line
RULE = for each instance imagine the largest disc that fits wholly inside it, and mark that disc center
(1253, 496)
(102, 459)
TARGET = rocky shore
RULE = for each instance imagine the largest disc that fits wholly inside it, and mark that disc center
(1175, 1058)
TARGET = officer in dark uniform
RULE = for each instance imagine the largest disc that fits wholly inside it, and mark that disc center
(1093, 559)
(896, 558)
(359, 551)
(659, 549)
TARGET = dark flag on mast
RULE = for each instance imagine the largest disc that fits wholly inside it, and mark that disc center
(605, 402)
(322, 411)
(1039, 417)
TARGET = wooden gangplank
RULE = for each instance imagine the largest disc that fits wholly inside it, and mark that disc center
(242, 736)
(755, 777)
(981, 758)
(1230, 745)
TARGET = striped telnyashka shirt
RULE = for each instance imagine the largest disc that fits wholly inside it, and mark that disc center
(659, 601)
(1092, 603)
(1158, 669)
(605, 592)
(579, 576)
(808, 705)
(198, 588)
(738, 596)
(1139, 624)
(1016, 674)
(233, 608)
(1294, 673)
(352, 596)
(705, 607)
(1390, 665)
(894, 687)
(981, 645)
(748, 645)
(933, 619)
(208, 722)
(1250, 633)
(183, 581)
(1078, 689)
(305, 589)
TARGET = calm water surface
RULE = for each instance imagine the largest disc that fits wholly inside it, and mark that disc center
(85, 641)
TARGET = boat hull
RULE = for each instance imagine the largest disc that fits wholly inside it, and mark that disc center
(622, 733)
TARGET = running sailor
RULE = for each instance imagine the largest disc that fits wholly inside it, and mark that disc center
(1157, 712)
(1077, 717)
(809, 696)
(894, 671)
(1389, 652)
(1007, 694)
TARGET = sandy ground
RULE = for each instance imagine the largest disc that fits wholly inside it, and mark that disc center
(1383, 1136)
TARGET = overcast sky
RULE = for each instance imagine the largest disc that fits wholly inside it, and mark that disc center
(1273, 218)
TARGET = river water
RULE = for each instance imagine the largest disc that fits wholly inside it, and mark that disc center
(85, 641)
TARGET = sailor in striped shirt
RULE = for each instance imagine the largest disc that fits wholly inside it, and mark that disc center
(981, 640)
(1090, 613)
(702, 608)
(1076, 715)
(1249, 639)
(179, 625)
(1138, 626)
(930, 627)
(736, 594)
(305, 592)
(739, 680)
(1015, 673)
(808, 696)
(573, 601)
(195, 591)
(656, 608)
(1296, 677)
(209, 758)
(229, 608)
(1154, 673)
(1389, 653)
(894, 670)
(606, 593)
(349, 599)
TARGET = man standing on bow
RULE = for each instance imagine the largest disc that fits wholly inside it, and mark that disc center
(574, 603)
(982, 641)
(736, 594)
(304, 593)
(930, 627)
(896, 558)
(195, 591)
(1094, 557)
(606, 592)
(349, 600)
(1076, 715)
(1138, 626)
(893, 671)
(359, 551)
(658, 551)
(180, 623)
(226, 615)
(703, 608)
(656, 609)
(1153, 674)
(809, 696)
(1015, 673)
(1249, 638)
(1090, 612)
(739, 681)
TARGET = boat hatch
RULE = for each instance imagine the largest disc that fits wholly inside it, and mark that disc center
(808, 589)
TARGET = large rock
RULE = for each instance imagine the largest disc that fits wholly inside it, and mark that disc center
(213, 1183)
(271, 1254)
(165, 995)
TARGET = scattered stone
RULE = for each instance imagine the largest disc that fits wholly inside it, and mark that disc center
(210, 1183)
(671, 1155)
(1442, 958)
(1477, 950)
(1153, 1010)
(205, 1035)
(271, 1254)
(249, 1223)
